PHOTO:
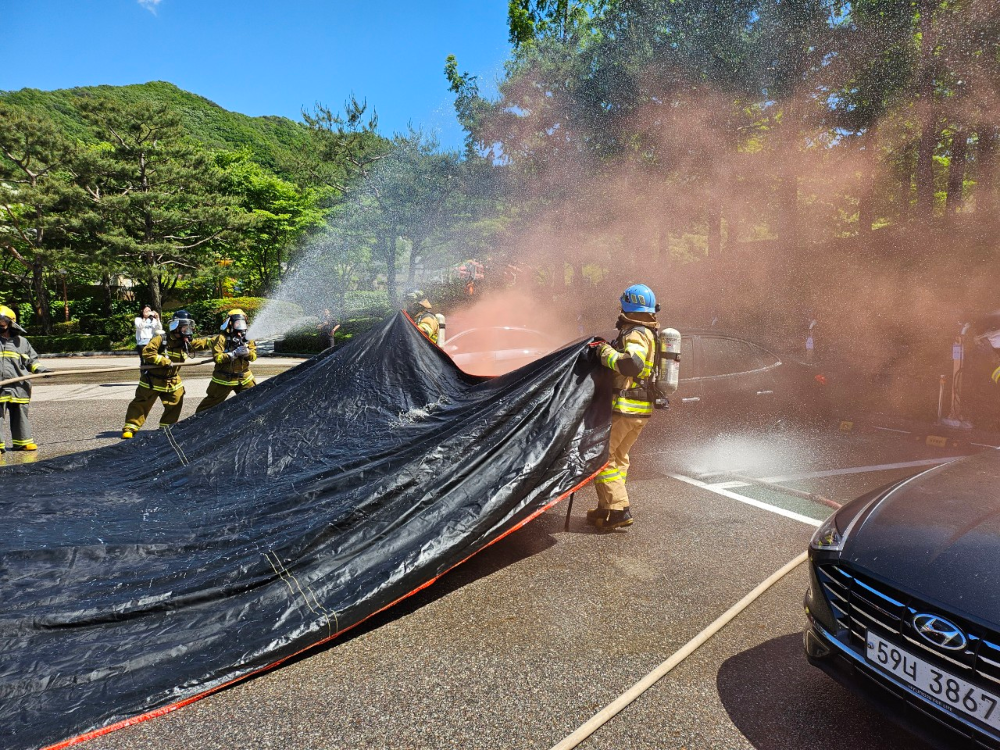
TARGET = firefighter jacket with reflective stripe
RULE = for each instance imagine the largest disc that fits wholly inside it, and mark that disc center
(996, 376)
(229, 370)
(632, 394)
(17, 359)
(428, 323)
(166, 377)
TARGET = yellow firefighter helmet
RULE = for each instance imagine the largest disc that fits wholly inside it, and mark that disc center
(236, 320)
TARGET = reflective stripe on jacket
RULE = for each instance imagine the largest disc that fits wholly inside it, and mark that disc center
(996, 376)
(17, 359)
(631, 394)
(429, 325)
(228, 371)
(166, 378)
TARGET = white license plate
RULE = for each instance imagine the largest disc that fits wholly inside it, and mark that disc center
(942, 687)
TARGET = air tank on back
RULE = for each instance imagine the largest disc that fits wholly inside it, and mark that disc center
(668, 364)
(441, 329)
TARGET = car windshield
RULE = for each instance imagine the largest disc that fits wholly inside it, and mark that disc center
(723, 356)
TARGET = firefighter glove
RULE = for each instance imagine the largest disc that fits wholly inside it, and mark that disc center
(242, 351)
(607, 354)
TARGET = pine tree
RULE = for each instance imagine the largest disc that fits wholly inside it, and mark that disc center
(164, 206)
(43, 210)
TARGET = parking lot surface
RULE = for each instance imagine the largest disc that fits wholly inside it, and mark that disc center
(526, 641)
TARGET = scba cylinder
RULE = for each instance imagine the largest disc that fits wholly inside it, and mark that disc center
(668, 365)
(441, 329)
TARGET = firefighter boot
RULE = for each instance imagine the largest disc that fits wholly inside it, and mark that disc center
(613, 519)
(29, 446)
(127, 434)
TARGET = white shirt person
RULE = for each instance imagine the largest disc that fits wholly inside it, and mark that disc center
(146, 327)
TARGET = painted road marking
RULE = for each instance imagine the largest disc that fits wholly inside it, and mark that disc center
(735, 484)
(723, 488)
(859, 470)
(748, 500)
(728, 485)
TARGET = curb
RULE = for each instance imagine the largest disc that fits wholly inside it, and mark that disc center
(930, 435)
(131, 353)
(65, 355)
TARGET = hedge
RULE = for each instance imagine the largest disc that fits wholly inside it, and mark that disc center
(118, 327)
(77, 342)
(300, 342)
(304, 341)
(366, 304)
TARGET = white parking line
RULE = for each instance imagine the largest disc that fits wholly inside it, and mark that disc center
(748, 500)
(860, 469)
(728, 485)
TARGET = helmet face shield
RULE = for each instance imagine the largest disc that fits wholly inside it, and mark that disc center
(240, 325)
(181, 327)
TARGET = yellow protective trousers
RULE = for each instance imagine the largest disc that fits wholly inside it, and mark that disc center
(610, 483)
(217, 393)
(142, 404)
(20, 428)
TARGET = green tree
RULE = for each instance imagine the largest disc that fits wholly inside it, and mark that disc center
(406, 199)
(162, 197)
(345, 146)
(44, 211)
(281, 214)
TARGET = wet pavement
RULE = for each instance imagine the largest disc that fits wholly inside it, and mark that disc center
(522, 644)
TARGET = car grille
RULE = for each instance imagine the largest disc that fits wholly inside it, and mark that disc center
(859, 603)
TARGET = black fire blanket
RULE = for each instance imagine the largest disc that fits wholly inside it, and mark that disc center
(139, 577)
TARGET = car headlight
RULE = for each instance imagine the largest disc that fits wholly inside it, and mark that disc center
(828, 537)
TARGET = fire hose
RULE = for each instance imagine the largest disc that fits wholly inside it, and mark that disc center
(615, 707)
(95, 371)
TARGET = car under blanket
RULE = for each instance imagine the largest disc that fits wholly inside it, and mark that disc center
(139, 577)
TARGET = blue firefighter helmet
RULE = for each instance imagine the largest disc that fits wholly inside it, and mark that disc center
(639, 298)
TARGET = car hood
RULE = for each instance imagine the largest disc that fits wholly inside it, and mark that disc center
(937, 536)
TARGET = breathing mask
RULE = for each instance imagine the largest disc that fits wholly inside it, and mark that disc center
(181, 327)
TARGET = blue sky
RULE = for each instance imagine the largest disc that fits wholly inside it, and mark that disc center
(265, 57)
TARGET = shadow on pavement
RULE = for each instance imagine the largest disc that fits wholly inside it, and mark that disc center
(780, 702)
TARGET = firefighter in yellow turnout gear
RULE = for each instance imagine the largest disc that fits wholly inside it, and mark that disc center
(631, 357)
(233, 354)
(418, 308)
(165, 352)
(17, 358)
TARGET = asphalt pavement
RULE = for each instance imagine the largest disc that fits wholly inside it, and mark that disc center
(526, 641)
(81, 411)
